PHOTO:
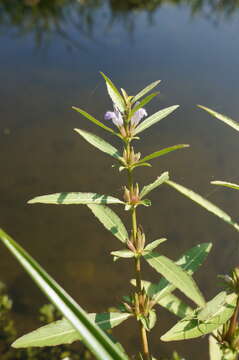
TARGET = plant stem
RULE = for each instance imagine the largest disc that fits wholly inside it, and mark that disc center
(143, 333)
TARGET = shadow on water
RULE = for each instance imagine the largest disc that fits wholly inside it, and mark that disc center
(45, 19)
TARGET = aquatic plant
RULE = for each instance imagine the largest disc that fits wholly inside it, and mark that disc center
(217, 317)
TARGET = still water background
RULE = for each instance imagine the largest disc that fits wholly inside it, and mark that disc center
(51, 53)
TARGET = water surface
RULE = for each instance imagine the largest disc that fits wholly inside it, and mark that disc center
(51, 55)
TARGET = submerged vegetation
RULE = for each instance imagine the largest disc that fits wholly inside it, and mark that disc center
(126, 121)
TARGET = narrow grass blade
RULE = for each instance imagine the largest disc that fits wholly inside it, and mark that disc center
(203, 202)
(100, 144)
(226, 184)
(92, 336)
(225, 119)
(153, 119)
(75, 198)
(110, 220)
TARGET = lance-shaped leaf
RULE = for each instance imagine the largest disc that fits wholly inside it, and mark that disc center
(145, 101)
(175, 305)
(153, 119)
(226, 184)
(160, 180)
(191, 327)
(92, 336)
(100, 144)
(162, 152)
(93, 120)
(75, 198)
(203, 202)
(145, 90)
(110, 220)
(176, 276)
(225, 119)
(62, 332)
(189, 261)
(126, 254)
(151, 246)
(114, 94)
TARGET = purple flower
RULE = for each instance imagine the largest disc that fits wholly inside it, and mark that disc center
(138, 116)
(115, 116)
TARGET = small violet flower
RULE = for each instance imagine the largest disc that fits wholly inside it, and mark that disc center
(115, 116)
(138, 116)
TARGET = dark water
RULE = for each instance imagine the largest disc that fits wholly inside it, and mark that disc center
(51, 54)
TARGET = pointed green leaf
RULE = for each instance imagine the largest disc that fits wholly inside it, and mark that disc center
(95, 121)
(145, 90)
(225, 119)
(110, 220)
(189, 261)
(226, 184)
(175, 275)
(149, 321)
(151, 246)
(114, 94)
(92, 336)
(75, 198)
(191, 327)
(100, 144)
(162, 152)
(203, 202)
(160, 180)
(212, 306)
(145, 101)
(153, 119)
(62, 332)
(175, 305)
(126, 254)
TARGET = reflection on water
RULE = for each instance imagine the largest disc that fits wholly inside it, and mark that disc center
(44, 18)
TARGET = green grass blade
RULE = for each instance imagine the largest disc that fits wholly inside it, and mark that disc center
(93, 120)
(203, 202)
(225, 119)
(226, 184)
(110, 220)
(75, 198)
(153, 119)
(176, 276)
(62, 332)
(92, 336)
(162, 152)
(114, 93)
(145, 90)
(100, 144)
(159, 181)
(189, 328)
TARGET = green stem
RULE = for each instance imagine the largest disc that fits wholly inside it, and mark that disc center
(143, 333)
